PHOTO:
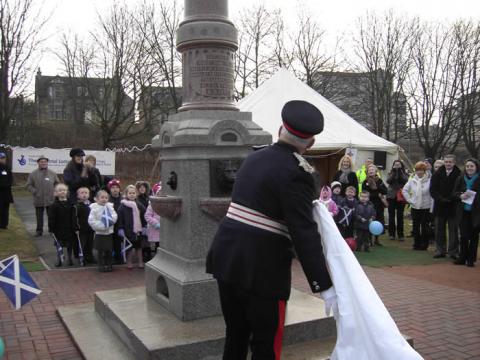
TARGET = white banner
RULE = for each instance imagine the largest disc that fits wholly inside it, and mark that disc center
(25, 159)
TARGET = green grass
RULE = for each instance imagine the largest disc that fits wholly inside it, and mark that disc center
(16, 240)
(396, 253)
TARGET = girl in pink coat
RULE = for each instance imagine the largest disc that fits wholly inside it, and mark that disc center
(326, 199)
(153, 220)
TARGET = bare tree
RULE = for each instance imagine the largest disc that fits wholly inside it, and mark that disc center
(158, 22)
(256, 27)
(432, 89)
(20, 28)
(310, 56)
(382, 49)
(467, 44)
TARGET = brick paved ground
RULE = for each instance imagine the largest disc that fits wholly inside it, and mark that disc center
(444, 321)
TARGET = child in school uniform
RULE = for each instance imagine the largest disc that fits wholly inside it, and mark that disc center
(62, 222)
(132, 224)
(153, 220)
(346, 213)
(85, 232)
(364, 214)
(113, 187)
(143, 196)
(101, 219)
(337, 197)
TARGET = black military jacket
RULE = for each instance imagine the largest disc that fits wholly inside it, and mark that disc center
(270, 181)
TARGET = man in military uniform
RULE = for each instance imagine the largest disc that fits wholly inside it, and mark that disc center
(270, 214)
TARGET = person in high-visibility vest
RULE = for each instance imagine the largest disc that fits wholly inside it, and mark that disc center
(362, 173)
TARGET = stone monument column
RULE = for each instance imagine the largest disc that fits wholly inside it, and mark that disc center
(201, 147)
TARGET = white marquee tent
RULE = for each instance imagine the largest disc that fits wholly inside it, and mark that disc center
(340, 130)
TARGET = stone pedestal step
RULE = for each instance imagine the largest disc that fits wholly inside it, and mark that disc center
(97, 341)
(147, 330)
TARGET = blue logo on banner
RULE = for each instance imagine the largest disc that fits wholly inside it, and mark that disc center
(22, 161)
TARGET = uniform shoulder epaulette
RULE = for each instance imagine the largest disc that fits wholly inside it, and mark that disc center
(304, 163)
(259, 147)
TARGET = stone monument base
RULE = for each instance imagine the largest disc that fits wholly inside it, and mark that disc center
(127, 324)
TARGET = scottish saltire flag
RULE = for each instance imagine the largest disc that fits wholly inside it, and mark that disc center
(80, 250)
(127, 244)
(16, 282)
(59, 248)
(107, 219)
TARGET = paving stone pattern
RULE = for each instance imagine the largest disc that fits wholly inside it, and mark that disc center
(444, 321)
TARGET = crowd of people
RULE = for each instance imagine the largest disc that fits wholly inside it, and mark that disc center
(89, 212)
(439, 195)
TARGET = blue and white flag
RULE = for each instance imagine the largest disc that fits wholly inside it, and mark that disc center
(16, 282)
(107, 219)
(59, 248)
(127, 244)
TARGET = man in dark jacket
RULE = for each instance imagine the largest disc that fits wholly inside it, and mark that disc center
(444, 209)
(6, 197)
(251, 254)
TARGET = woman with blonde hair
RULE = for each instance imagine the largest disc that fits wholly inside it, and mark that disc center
(345, 174)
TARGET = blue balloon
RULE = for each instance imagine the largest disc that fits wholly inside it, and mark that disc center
(376, 228)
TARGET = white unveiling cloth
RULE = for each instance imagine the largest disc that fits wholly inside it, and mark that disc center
(365, 329)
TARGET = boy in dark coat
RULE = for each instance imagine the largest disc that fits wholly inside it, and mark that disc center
(62, 222)
(85, 233)
(364, 214)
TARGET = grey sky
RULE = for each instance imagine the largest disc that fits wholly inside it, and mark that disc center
(337, 16)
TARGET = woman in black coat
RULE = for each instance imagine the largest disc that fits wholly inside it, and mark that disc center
(76, 174)
(378, 191)
(345, 174)
(397, 178)
(468, 214)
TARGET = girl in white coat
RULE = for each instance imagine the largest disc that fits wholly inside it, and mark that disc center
(417, 193)
(101, 219)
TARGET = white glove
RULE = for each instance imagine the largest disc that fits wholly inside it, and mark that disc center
(331, 305)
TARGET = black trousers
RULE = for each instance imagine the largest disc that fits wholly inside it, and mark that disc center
(395, 212)
(117, 248)
(4, 211)
(251, 319)
(363, 239)
(86, 240)
(468, 239)
(421, 230)
(39, 211)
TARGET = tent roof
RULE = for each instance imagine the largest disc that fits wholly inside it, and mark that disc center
(340, 130)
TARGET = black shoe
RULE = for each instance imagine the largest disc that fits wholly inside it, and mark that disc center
(38, 234)
(460, 262)
(70, 262)
(58, 264)
(453, 257)
(470, 264)
(378, 243)
(438, 256)
(367, 250)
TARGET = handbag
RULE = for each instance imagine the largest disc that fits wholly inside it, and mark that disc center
(399, 197)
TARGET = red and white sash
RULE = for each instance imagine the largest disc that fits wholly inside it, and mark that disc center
(257, 219)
